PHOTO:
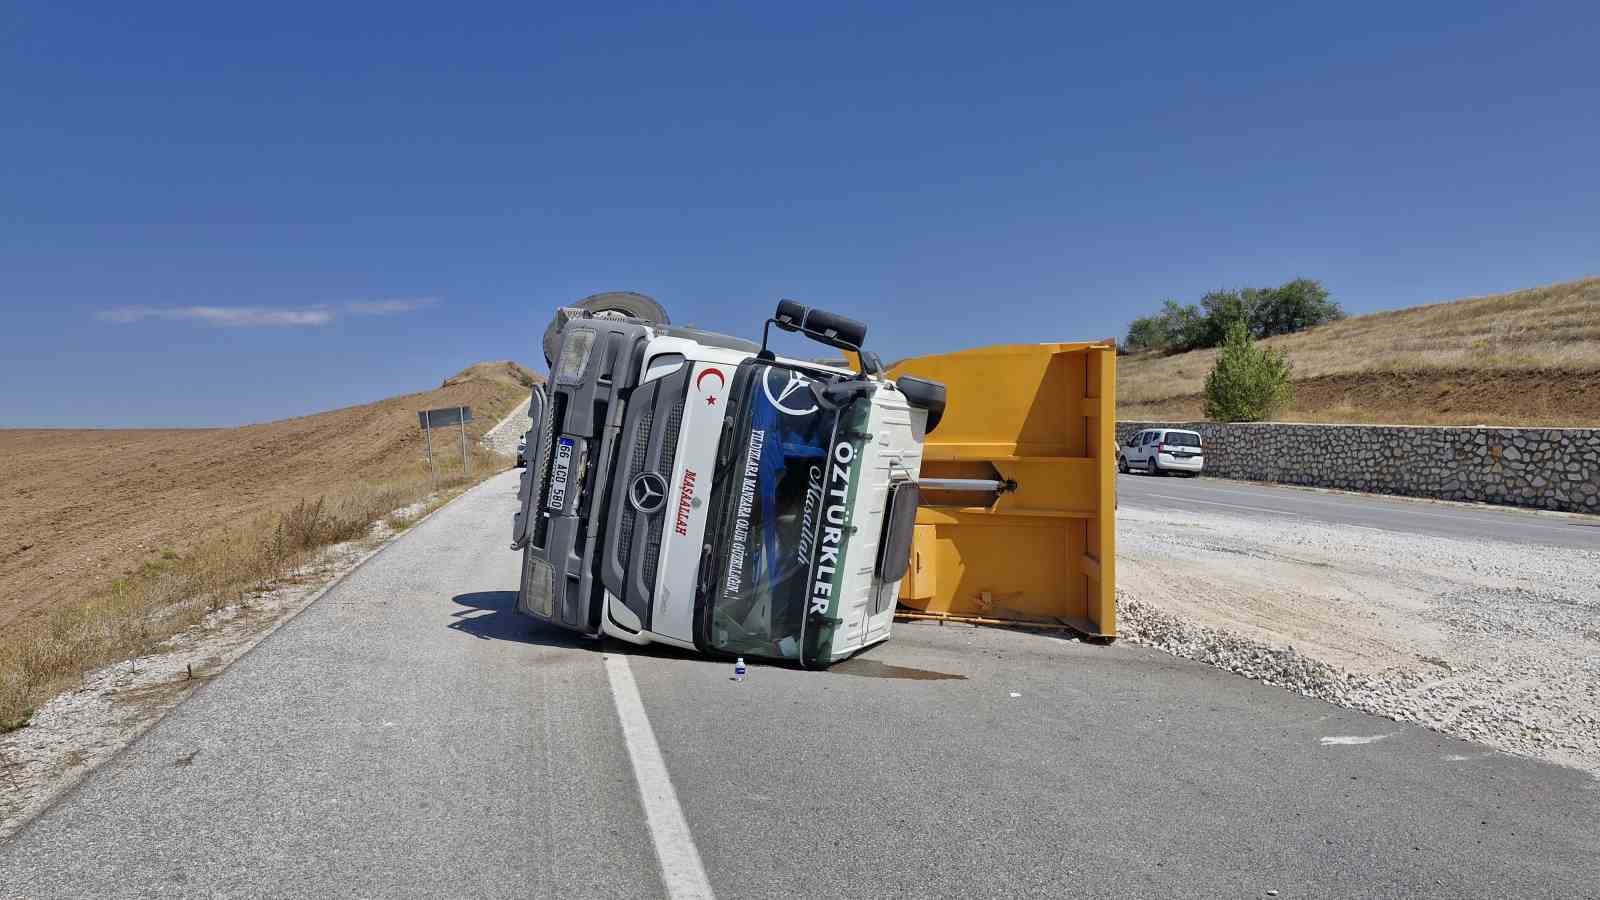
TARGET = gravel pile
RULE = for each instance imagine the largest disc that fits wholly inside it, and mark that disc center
(1383, 694)
(1403, 695)
(1481, 640)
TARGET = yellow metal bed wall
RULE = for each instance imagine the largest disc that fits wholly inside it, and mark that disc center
(1043, 554)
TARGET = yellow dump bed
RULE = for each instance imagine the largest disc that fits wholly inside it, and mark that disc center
(1041, 417)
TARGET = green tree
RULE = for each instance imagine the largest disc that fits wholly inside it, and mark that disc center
(1174, 329)
(1220, 310)
(1293, 306)
(1248, 383)
(1186, 326)
(1147, 333)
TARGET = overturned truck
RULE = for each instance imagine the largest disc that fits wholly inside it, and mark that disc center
(697, 490)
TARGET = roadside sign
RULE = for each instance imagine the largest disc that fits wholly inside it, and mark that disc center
(449, 415)
(444, 417)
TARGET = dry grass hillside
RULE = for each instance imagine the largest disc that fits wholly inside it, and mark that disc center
(82, 508)
(1529, 357)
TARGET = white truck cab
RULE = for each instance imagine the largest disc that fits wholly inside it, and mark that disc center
(695, 490)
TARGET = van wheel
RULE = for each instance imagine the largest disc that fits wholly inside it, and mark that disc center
(1151, 467)
(613, 304)
(1122, 464)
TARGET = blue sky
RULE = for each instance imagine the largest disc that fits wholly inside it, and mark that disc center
(212, 214)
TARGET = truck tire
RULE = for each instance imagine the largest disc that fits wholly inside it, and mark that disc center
(924, 394)
(612, 304)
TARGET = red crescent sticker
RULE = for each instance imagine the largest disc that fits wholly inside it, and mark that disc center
(700, 380)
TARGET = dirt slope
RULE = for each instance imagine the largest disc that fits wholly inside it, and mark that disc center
(1529, 357)
(81, 507)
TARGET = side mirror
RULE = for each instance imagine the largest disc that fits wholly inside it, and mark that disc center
(820, 325)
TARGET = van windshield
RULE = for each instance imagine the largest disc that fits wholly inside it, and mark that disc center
(774, 505)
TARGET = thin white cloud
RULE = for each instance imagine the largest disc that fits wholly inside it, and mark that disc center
(224, 316)
(389, 307)
(263, 316)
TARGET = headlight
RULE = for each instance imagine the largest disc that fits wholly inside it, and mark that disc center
(541, 588)
(574, 355)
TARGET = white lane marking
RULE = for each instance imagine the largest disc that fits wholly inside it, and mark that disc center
(681, 871)
(1345, 740)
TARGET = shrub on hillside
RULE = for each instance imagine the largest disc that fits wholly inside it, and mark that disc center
(1248, 383)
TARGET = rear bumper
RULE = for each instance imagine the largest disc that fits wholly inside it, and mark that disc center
(1169, 463)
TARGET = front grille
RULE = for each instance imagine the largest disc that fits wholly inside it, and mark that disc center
(625, 532)
(669, 440)
(650, 435)
(641, 447)
(639, 461)
(669, 450)
(636, 461)
(652, 559)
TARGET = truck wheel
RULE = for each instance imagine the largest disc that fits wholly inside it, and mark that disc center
(924, 394)
(611, 304)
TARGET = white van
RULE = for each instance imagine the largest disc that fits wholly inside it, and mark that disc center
(1157, 450)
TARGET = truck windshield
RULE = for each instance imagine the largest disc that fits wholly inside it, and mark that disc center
(775, 501)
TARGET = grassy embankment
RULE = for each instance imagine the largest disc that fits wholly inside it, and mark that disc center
(256, 541)
(1529, 357)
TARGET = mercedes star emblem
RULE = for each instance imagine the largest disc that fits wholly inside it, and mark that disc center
(648, 492)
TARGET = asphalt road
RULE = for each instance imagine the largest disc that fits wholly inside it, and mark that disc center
(1450, 520)
(408, 735)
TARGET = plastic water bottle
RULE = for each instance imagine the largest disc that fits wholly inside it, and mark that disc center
(738, 669)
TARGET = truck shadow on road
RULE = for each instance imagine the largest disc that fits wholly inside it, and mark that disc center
(493, 616)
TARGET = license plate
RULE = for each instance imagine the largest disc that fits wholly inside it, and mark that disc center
(558, 475)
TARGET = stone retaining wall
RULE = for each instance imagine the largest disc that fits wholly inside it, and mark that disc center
(502, 438)
(1547, 468)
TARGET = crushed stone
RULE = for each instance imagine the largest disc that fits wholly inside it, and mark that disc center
(1492, 642)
